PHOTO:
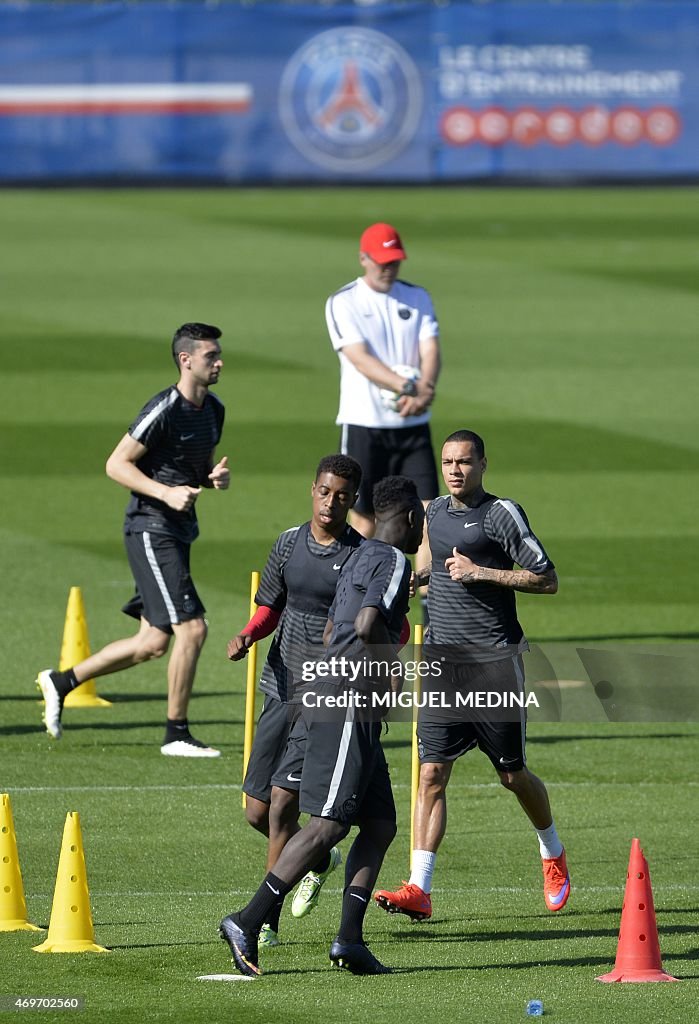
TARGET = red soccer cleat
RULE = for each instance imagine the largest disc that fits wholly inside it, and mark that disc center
(409, 900)
(556, 882)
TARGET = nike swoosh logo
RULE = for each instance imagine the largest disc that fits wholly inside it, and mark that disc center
(291, 778)
(560, 897)
(271, 887)
(466, 525)
(186, 437)
(387, 245)
(358, 897)
(337, 566)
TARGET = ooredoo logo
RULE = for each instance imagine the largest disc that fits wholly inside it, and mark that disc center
(560, 126)
(350, 99)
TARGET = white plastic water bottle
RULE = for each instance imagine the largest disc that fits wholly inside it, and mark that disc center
(535, 1008)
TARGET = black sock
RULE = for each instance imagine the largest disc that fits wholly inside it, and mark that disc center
(272, 918)
(260, 906)
(355, 901)
(64, 682)
(176, 729)
(322, 865)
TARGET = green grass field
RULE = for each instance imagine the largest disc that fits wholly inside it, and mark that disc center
(569, 330)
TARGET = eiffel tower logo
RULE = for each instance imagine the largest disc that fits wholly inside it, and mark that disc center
(350, 102)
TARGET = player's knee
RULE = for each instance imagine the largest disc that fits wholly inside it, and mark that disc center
(433, 777)
(152, 645)
(327, 832)
(283, 810)
(514, 781)
(380, 832)
(196, 631)
(257, 815)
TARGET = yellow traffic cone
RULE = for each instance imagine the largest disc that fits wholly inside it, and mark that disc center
(75, 648)
(13, 906)
(70, 928)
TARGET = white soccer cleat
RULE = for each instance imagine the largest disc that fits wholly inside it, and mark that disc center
(308, 892)
(188, 748)
(53, 703)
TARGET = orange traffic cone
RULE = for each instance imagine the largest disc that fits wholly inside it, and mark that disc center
(13, 906)
(638, 951)
(70, 928)
(75, 648)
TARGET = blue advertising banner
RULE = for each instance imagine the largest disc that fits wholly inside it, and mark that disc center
(407, 92)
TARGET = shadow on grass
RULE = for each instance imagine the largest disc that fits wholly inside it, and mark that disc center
(661, 637)
(77, 727)
(126, 698)
(585, 737)
(531, 934)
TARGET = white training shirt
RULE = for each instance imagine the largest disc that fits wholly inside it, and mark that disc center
(392, 325)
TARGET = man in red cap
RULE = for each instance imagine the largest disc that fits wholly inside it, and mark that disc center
(387, 338)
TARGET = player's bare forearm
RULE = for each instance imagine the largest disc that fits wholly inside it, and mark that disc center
(430, 362)
(463, 570)
(420, 578)
(121, 467)
(372, 368)
(523, 580)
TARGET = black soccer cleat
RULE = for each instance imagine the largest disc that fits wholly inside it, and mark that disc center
(357, 958)
(242, 944)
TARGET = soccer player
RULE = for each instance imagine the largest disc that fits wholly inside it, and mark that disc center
(296, 591)
(164, 459)
(476, 539)
(378, 322)
(344, 779)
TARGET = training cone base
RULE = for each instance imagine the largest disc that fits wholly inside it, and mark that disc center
(638, 951)
(13, 906)
(86, 696)
(70, 946)
(76, 648)
(70, 928)
(19, 925)
(618, 975)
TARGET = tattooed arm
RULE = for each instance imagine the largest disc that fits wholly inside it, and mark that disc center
(463, 570)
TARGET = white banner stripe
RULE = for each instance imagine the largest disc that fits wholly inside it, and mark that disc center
(136, 92)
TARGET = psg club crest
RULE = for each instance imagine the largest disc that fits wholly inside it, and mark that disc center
(350, 99)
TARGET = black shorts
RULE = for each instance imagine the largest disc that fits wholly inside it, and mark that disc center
(165, 594)
(386, 451)
(443, 734)
(288, 772)
(269, 745)
(345, 775)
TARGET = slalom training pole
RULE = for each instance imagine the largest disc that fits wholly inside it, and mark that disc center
(415, 761)
(251, 687)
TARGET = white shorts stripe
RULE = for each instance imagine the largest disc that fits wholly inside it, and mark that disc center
(340, 762)
(343, 439)
(519, 674)
(155, 568)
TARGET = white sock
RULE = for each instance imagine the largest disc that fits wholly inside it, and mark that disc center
(422, 868)
(549, 843)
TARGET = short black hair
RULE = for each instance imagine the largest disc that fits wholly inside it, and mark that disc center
(394, 494)
(186, 338)
(464, 436)
(343, 466)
